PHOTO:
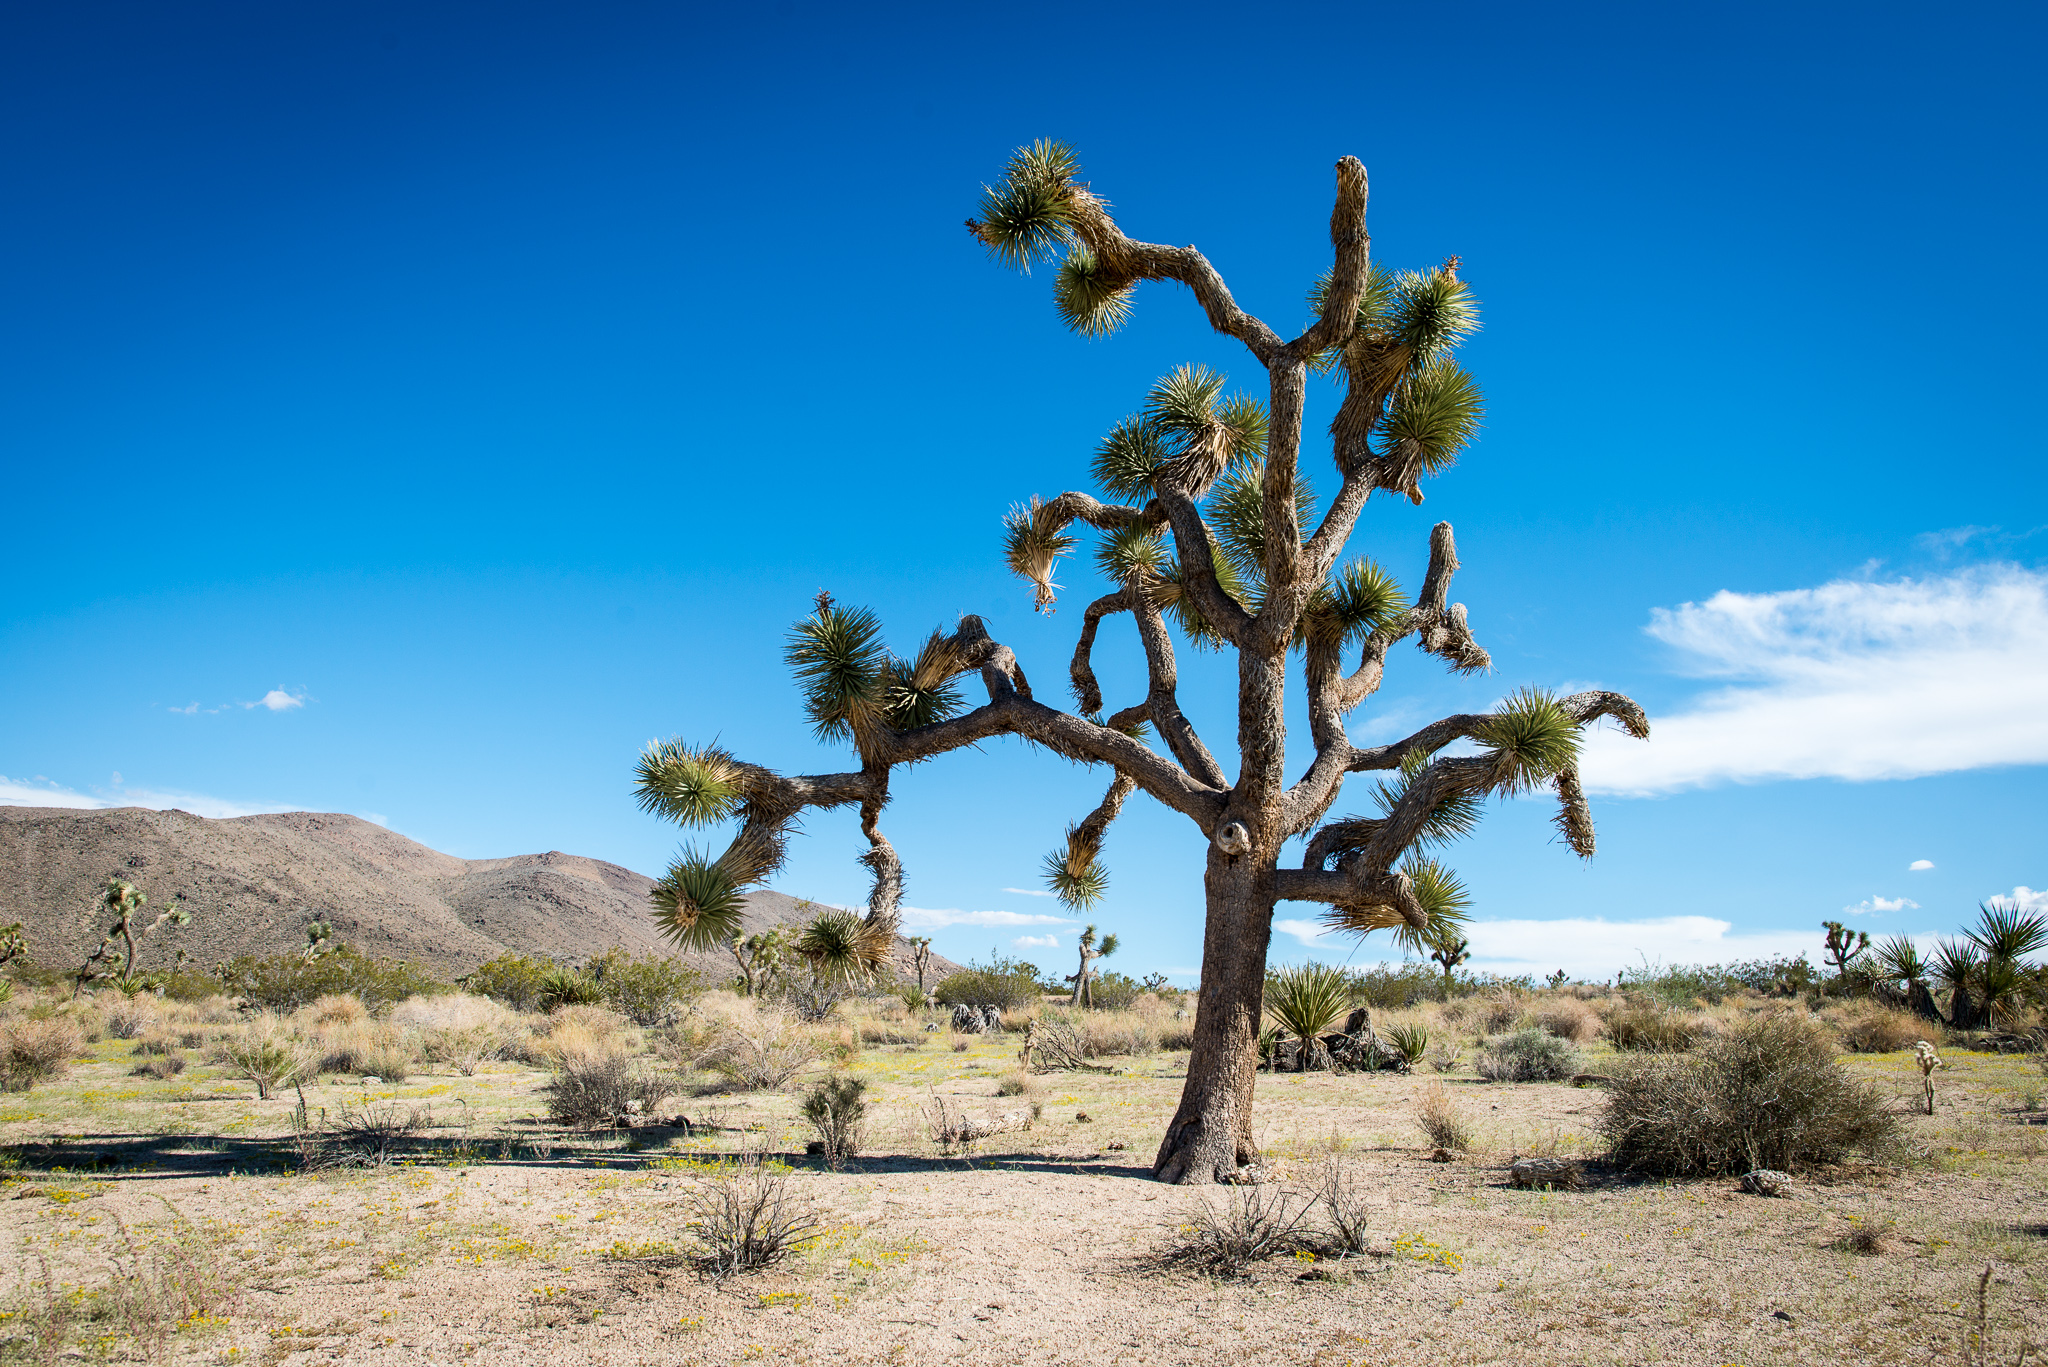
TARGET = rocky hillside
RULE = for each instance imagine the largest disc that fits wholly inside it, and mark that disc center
(253, 883)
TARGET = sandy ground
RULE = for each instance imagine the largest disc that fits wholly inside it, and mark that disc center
(513, 1243)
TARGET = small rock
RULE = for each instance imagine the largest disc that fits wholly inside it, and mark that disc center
(1546, 1172)
(1767, 1182)
(1083, 1117)
(1782, 1315)
(1440, 1156)
(1115, 1146)
(373, 1081)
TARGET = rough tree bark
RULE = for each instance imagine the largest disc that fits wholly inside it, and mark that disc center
(1204, 527)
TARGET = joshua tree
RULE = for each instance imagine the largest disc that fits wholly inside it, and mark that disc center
(1209, 523)
(1449, 953)
(921, 958)
(1090, 952)
(759, 957)
(107, 963)
(1844, 945)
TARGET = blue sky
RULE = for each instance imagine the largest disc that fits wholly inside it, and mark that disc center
(411, 410)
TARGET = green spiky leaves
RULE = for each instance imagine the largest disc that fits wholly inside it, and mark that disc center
(1530, 738)
(1027, 216)
(1076, 876)
(842, 667)
(1433, 415)
(698, 903)
(840, 944)
(1091, 299)
(1430, 313)
(1455, 815)
(1132, 551)
(1128, 458)
(1360, 598)
(1442, 895)
(694, 786)
(1307, 1000)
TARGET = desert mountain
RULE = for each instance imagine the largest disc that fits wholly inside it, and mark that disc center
(253, 883)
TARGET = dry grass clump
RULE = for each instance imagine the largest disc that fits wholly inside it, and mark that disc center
(1177, 1034)
(1443, 1119)
(1259, 1221)
(1872, 1028)
(1526, 1056)
(748, 1218)
(1498, 1012)
(131, 1017)
(160, 1066)
(1768, 1094)
(338, 1009)
(1643, 1027)
(1567, 1018)
(759, 1055)
(1017, 1082)
(458, 1030)
(33, 1051)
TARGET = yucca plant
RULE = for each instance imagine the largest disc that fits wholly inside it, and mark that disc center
(1208, 531)
(1306, 1001)
(1084, 976)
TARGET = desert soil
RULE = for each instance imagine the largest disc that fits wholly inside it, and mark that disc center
(509, 1241)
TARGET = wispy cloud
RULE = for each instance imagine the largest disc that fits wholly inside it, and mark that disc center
(1871, 906)
(1853, 680)
(1584, 946)
(276, 700)
(928, 918)
(1308, 932)
(1029, 892)
(43, 792)
(1920, 866)
(2028, 899)
(1036, 942)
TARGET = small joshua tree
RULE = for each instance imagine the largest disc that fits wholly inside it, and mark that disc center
(117, 963)
(921, 959)
(1209, 530)
(1844, 946)
(1449, 953)
(1085, 974)
(759, 957)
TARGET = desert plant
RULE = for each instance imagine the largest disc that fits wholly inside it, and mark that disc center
(760, 957)
(1409, 1039)
(1443, 1119)
(1248, 1225)
(128, 1018)
(1205, 523)
(837, 1108)
(1844, 947)
(1567, 1019)
(511, 978)
(1767, 1094)
(287, 982)
(1007, 984)
(649, 990)
(1018, 1083)
(1444, 1058)
(1063, 865)
(1526, 1056)
(33, 1051)
(747, 1218)
(920, 963)
(1343, 1201)
(1929, 1060)
(160, 1066)
(603, 1086)
(266, 1054)
(118, 964)
(1645, 1027)
(391, 1061)
(561, 986)
(761, 1056)
(1498, 1011)
(1880, 1030)
(373, 1133)
(812, 996)
(1305, 1001)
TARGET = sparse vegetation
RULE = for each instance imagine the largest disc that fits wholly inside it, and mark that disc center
(1443, 1119)
(267, 1053)
(33, 1051)
(837, 1109)
(746, 1218)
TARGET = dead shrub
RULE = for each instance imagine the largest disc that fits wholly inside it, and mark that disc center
(1498, 1012)
(372, 1134)
(33, 1051)
(1344, 1209)
(161, 1066)
(266, 1053)
(1223, 1238)
(1643, 1027)
(748, 1218)
(1443, 1119)
(1766, 1095)
(603, 1086)
(761, 1056)
(1567, 1018)
(130, 1017)
(1876, 1029)
(338, 1008)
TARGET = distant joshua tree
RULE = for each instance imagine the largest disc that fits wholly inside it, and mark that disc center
(1207, 523)
(115, 959)
(1084, 975)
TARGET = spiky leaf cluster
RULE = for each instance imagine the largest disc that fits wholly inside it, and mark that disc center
(1443, 896)
(1434, 414)
(691, 785)
(1308, 999)
(1128, 459)
(1132, 550)
(1359, 599)
(840, 944)
(1031, 546)
(1090, 298)
(698, 903)
(1455, 815)
(1529, 737)
(1077, 878)
(852, 684)
(1027, 216)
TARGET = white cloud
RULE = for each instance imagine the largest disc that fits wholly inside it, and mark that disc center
(1308, 932)
(1036, 942)
(41, 792)
(1584, 947)
(1873, 905)
(277, 700)
(1029, 892)
(1851, 680)
(2028, 899)
(926, 918)
(1919, 865)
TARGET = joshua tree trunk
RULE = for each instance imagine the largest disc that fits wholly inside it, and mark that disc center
(1205, 526)
(1921, 1002)
(1210, 1136)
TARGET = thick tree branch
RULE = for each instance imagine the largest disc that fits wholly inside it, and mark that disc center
(1087, 692)
(1162, 702)
(1122, 258)
(1347, 278)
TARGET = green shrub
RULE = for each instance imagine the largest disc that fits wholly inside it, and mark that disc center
(1009, 984)
(1527, 1056)
(1113, 992)
(560, 987)
(647, 991)
(838, 1110)
(514, 979)
(289, 981)
(1766, 1095)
